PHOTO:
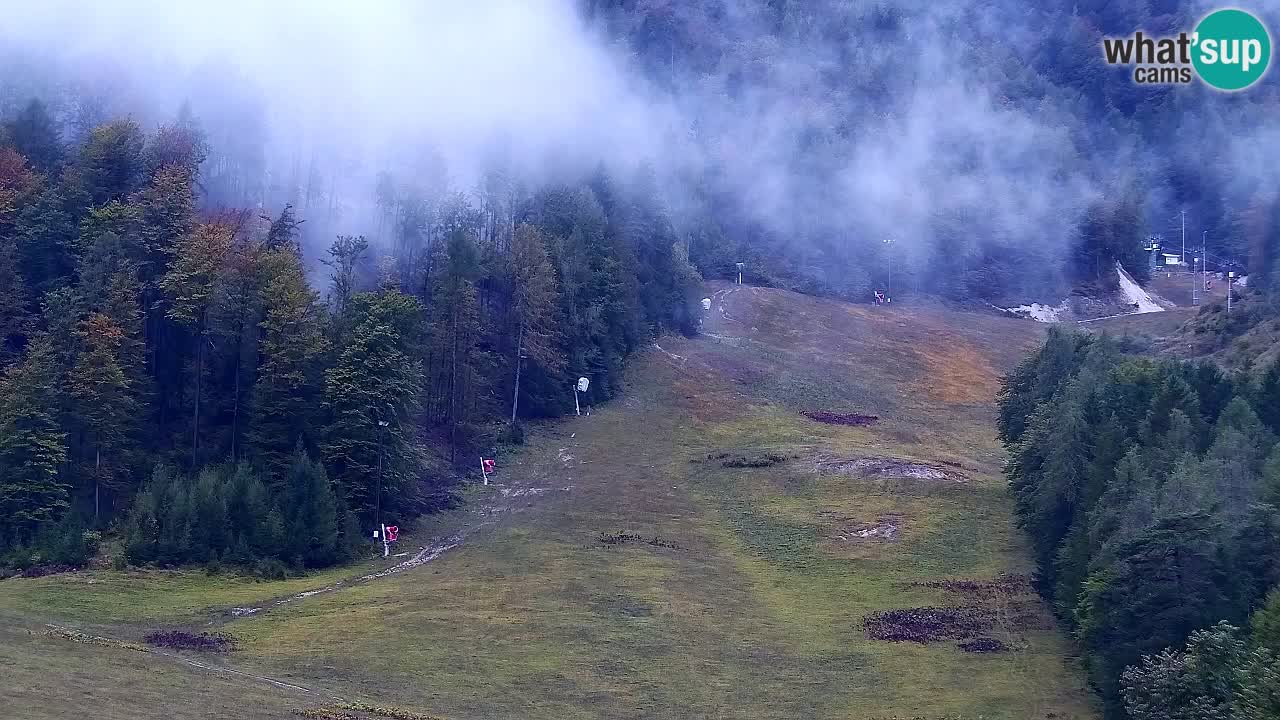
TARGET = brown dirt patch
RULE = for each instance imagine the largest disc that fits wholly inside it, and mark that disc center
(929, 624)
(1001, 586)
(833, 418)
(180, 640)
(982, 645)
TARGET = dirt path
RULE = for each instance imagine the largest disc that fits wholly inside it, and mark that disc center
(486, 514)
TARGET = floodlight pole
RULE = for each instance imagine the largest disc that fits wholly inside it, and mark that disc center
(888, 243)
(382, 529)
(1184, 238)
(1195, 295)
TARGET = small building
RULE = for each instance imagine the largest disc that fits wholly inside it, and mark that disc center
(1160, 258)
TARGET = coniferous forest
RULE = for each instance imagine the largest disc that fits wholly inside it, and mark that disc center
(182, 373)
(262, 289)
(1150, 491)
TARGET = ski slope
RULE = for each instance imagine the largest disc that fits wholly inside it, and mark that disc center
(1135, 295)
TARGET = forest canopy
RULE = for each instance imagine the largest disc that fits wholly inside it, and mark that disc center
(1151, 492)
(178, 368)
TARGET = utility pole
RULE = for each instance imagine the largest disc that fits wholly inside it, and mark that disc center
(888, 244)
(1195, 295)
(1204, 262)
(377, 503)
(1184, 238)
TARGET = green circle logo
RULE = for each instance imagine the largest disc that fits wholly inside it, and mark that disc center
(1232, 49)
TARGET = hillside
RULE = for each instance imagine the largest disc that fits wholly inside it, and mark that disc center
(696, 548)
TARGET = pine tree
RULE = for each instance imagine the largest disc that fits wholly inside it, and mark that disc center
(1196, 684)
(292, 346)
(106, 405)
(1265, 623)
(111, 161)
(311, 522)
(32, 444)
(248, 507)
(1265, 396)
(1255, 547)
(46, 234)
(191, 286)
(1187, 488)
(1234, 463)
(534, 308)
(1257, 695)
(166, 216)
(209, 526)
(1050, 487)
(376, 379)
(1127, 507)
(1270, 485)
(34, 134)
(1166, 583)
(455, 333)
(15, 320)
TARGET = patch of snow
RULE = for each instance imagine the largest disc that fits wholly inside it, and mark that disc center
(1135, 295)
(1039, 312)
(671, 355)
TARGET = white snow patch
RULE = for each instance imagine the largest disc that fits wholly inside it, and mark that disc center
(1040, 313)
(1135, 295)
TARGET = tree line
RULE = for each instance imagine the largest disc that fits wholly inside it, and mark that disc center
(1151, 492)
(166, 363)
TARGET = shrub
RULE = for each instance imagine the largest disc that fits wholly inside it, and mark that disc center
(270, 569)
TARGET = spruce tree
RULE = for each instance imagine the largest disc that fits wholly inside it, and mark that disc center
(34, 134)
(376, 378)
(111, 163)
(191, 286)
(15, 320)
(32, 444)
(288, 389)
(311, 519)
(106, 406)
(536, 316)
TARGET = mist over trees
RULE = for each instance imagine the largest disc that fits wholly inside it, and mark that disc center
(220, 244)
(986, 139)
(180, 368)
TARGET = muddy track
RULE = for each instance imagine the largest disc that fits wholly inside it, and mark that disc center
(503, 502)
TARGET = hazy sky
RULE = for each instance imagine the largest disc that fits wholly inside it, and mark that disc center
(357, 86)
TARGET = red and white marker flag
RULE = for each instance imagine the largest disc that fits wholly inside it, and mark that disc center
(486, 467)
(392, 531)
